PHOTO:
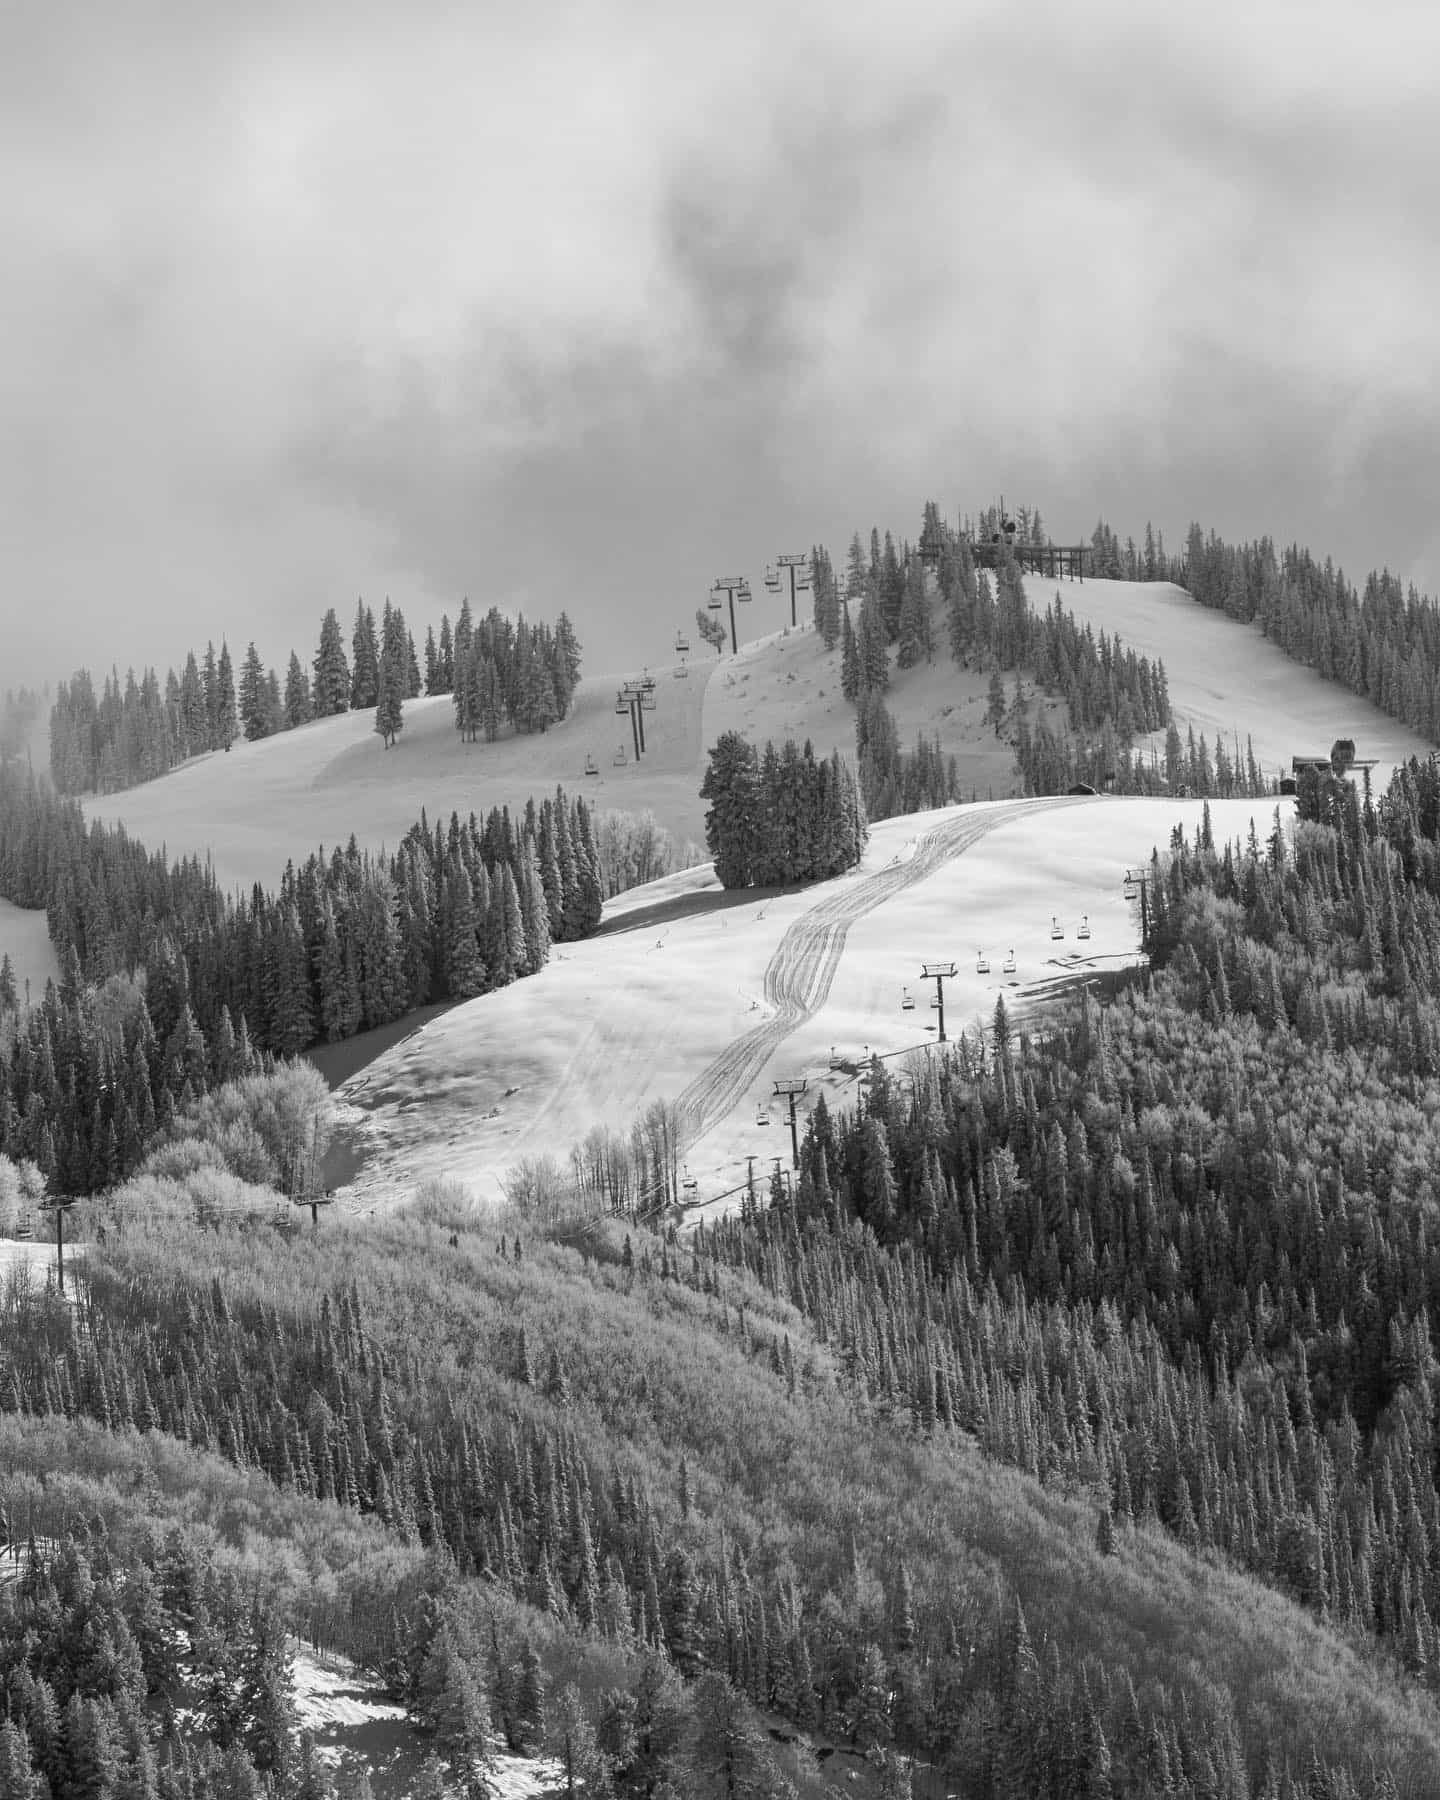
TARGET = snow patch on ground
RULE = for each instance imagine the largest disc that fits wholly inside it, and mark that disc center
(353, 1724)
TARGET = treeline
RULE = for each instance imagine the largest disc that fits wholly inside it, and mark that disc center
(351, 941)
(892, 780)
(1052, 764)
(1380, 641)
(633, 848)
(87, 1081)
(500, 671)
(780, 816)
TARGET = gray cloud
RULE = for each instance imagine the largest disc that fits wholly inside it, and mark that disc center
(578, 305)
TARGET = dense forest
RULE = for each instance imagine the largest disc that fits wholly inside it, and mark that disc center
(780, 815)
(350, 941)
(501, 671)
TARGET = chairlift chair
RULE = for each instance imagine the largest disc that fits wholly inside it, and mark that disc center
(762, 1115)
(591, 766)
(837, 1061)
(682, 644)
(619, 758)
(772, 579)
(648, 702)
(689, 1187)
(743, 591)
(622, 706)
(1057, 930)
(682, 671)
(1084, 930)
(982, 963)
(717, 600)
(907, 1000)
(1008, 966)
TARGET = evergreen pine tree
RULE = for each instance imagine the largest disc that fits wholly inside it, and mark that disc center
(254, 704)
(297, 694)
(364, 659)
(849, 658)
(331, 691)
(445, 656)
(390, 708)
(226, 727)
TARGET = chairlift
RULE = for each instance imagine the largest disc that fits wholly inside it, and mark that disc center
(743, 591)
(682, 644)
(762, 1114)
(1132, 887)
(935, 1004)
(907, 1000)
(591, 766)
(620, 758)
(1084, 930)
(772, 579)
(1008, 966)
(622, 706)
(648, 702)
(1057, 930)
(837, 1061)
(802, 581)
(982, 963)
(717, 600)
(682, 671)
(689, 1187)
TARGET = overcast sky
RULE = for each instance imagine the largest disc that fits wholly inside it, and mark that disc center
(581, 305)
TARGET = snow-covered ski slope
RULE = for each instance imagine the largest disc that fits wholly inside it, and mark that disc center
(1227, 679)
(252, 808)
(25, 939)
(703, 998)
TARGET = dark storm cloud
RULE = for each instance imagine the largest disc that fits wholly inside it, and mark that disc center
(581, 306)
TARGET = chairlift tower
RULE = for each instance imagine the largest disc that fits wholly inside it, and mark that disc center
(791, 1088)
(738, 588)
(632, 699)
(59, 1207)
(1138, 887)
(797, 566)
(939, 973)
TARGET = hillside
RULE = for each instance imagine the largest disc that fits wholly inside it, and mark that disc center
(251, 808)
(1228, 679)
(696, 1424)
(694, 995)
